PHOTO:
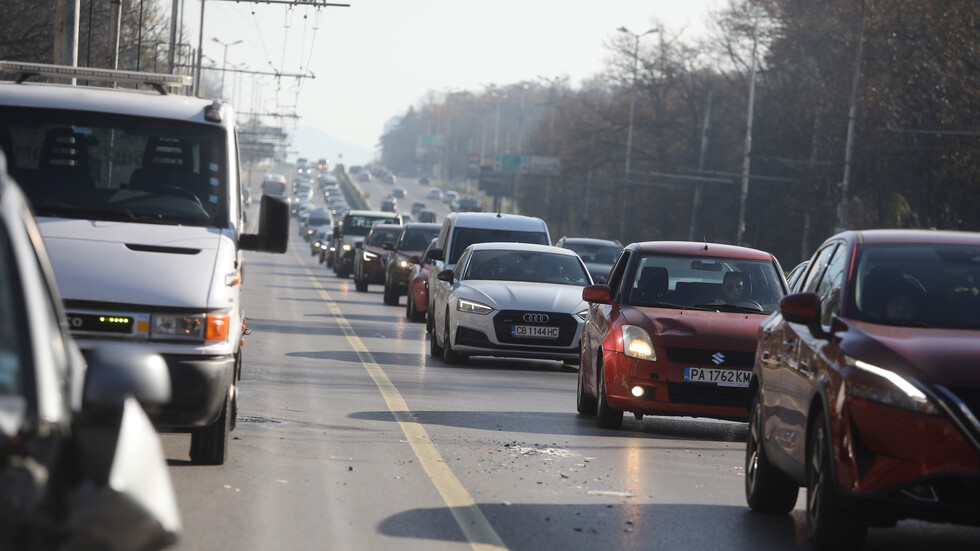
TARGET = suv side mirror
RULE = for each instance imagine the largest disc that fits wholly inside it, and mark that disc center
(801, 308)
(435, 253)
(388, 247)
(273, 236)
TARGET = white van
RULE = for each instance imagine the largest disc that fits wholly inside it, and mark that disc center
(137, 196)
(461, 229)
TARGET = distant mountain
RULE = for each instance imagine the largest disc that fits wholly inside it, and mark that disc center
(313, 143)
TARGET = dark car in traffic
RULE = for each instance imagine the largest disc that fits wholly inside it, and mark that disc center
(866, 389)
(371, 255)
(598, 254)
(402, 255)
(673, 332)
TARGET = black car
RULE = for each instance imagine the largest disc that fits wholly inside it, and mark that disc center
(598, 254)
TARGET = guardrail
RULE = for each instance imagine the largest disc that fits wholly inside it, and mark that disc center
(352, 191)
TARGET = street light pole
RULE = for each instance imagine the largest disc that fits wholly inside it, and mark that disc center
(629, 131)
(224, 63)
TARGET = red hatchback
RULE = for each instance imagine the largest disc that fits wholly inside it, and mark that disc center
(866, 387)
(418, 286)
(673, 332)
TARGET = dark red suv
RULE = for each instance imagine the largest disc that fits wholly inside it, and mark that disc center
(866, 387)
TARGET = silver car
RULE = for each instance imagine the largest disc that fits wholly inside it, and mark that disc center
(516, 300)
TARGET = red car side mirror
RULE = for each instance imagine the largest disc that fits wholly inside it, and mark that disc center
(801, 308)
(597, 294)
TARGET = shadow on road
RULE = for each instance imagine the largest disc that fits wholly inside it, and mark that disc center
(560, 424)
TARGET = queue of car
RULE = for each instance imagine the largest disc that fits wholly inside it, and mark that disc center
(855, 375)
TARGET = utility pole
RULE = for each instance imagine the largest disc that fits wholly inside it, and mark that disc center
(696, 202)
(66, 18)
(629, 133)
(746, 158)
(115, 29)
(852, 115)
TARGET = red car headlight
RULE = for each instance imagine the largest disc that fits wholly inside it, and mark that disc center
(637, 343)
(887, 387)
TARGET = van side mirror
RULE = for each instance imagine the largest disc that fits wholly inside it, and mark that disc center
(435, 253)
(273, 236)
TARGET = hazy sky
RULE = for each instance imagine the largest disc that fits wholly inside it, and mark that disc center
(376, 58)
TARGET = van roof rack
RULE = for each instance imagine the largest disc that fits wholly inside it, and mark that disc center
(156, 80)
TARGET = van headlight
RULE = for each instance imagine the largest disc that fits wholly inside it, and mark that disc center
(637, 343)
(190, 327)
(889, 388)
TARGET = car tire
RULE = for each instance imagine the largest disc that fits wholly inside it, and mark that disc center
(428, 319)
(827, 527)
(449, 355)
(390, 296)
(767, 489)
(434, 349)
(209, 445)
(585, 404)
(360, 284)
(606, 416)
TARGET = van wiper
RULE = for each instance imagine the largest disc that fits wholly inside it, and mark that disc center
(85, 213)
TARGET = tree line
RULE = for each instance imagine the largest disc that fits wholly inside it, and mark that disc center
(915, 160)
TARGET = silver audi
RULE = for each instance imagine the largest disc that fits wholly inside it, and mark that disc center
(514, 300)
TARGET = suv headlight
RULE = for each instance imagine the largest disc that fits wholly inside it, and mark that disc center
(637, 343)
(369, 256)
(473, 307)
(190, 327)
(889, 388)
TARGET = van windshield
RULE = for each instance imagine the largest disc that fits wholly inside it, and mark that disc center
(96, 166)
(464, 237)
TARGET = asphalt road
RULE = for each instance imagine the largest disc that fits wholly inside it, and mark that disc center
(350, 436)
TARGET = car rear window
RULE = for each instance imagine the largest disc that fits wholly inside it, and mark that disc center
(464, 237)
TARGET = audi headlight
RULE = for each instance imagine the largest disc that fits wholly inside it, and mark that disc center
(191, 327)
(637, 343)
(889, 388)
(472, 307)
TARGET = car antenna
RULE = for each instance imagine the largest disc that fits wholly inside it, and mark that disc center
(499, 215)
(705, 239)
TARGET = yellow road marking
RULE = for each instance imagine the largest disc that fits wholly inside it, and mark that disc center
(475, 526)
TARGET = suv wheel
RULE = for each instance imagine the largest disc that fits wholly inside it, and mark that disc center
(209, 445)
(767, 489)
(360, 284)
(390, 296)
(827, 527)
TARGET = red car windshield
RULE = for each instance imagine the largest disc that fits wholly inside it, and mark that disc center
(927, 285)
(699, 282)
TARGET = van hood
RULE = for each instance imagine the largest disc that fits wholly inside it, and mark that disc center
(127, 263)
